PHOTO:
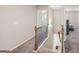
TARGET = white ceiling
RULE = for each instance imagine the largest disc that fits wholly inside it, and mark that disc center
(56, 6)
(66, 7)
(71, 7)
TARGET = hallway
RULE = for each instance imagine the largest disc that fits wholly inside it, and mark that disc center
(72, 42)
(43, 30)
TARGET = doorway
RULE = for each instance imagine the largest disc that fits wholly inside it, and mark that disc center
(72, 40)
(42, 25)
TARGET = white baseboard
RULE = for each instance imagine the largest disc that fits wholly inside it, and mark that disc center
(22, 43)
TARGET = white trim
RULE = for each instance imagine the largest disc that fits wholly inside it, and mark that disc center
(21, 43)
(41, 45)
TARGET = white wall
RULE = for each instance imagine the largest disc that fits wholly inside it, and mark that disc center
(58, 19)
(49, 43)
(73, 18)
(16, 25)
(41, 8)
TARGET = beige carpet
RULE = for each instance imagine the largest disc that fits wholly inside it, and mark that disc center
(44, 50)
(73, 41)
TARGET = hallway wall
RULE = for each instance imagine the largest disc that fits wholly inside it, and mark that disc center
(49, 43)
(73, 16)
(41, 8)
(58, 19)
(16, 25)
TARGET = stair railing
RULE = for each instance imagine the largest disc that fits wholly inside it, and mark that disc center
(61, 38)
(36, 38)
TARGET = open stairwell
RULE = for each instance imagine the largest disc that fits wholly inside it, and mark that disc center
(56, 48)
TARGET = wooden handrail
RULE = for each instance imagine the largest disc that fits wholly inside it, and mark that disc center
(36, 38)
(61, 38)
(62, 32)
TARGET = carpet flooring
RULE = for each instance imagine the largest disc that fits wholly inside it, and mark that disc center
(72, 42)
